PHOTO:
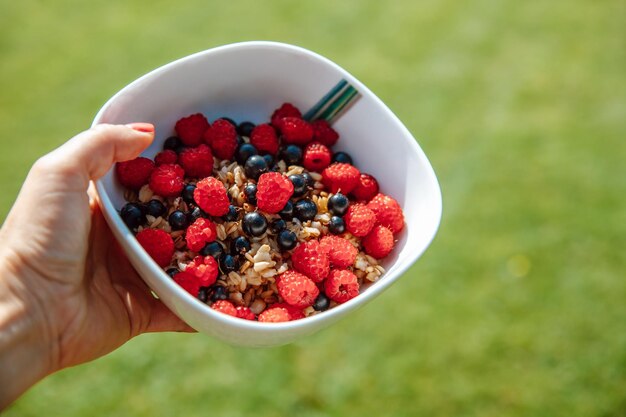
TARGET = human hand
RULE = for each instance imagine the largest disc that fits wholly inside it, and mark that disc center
(67, 292)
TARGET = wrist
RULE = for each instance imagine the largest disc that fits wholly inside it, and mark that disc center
(27, 345)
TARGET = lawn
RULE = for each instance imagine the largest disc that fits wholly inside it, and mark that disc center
(519, 306)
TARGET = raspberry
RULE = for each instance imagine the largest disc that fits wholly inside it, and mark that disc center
(191, 129)
(273, 192)
(341, 252)
(341, 177)
(316, 157)
(205, 269)
(296, 131)
(222, 137)
(135, 173)
(189, 282)
(274, 315)
(197, 162)
(359, 219)
(312, 260)
(210, 195)
(245, 313)
(167, 156)
(297, 289)
(264, 139)
(201, 232)
(341, 285)
(323, 133)
(167, 180)
(159, 245)
(286, 110)
(367, 188)
(388, 212)
(295, 313)
(379, 242)
(224, 306)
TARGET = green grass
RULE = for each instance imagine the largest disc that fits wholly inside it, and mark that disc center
(519, 306)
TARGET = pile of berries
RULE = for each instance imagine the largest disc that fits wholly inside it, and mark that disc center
(221, 193)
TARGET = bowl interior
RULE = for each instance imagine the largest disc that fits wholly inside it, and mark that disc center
(247, 82)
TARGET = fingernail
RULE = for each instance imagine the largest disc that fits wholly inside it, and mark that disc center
(142, 127)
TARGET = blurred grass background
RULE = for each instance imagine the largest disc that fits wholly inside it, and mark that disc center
(519, 306)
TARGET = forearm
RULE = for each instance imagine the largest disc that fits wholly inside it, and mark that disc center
(26, 351)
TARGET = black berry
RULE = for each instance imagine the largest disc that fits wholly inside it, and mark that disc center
(286, 239)
(203, 294)
(250, 192)
(291, 154)
(269, 160)
(214, 249)
(178, 220)
(172, 143)
(321, 302)
(195, 214)
(155, 208)
(254, 224)
(232, 215)
(308, 179)
(244, 152)
(342, 157)
(132, 215)
(172, 272)
(187, 193)
(228, 263)
(277, 225)
(336, 226)
(299, 185)
(255, 166)
(305, 209)
(218, 293)
(240, 245)
(245, 128)
(287, 212)
(338, 204)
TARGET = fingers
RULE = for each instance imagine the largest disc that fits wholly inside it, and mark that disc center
(163, 320)
(90, 154)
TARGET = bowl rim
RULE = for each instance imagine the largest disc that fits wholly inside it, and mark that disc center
(372, 292)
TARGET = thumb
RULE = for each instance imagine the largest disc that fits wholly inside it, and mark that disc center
(90, 154)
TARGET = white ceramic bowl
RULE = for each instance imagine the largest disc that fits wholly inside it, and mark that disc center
(247, 81)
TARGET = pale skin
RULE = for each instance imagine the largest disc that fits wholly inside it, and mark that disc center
(68, 294)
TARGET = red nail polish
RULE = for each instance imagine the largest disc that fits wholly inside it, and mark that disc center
(142, 127)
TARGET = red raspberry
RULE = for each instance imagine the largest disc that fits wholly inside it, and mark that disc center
(245, 313)
(274, 315)
(388, 212)
(197, 162)
(341, 252)
(222, 137)
(295, 313)
(286, 110)
(159, 245)
(379, 242)
(225, 306)
(201, 232)
(135, 173)
(297, 289)
(191, 129)
(316, 157)
(167, 156)
(367, 188)
(341, 177)
(359, 219)
(323, 133)
(341, 285)
(167, 180)
(311, 259)
(273, 192)
(205, 269)
(264, 138)
(296, 131)
(210, 195)
(189, 282)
